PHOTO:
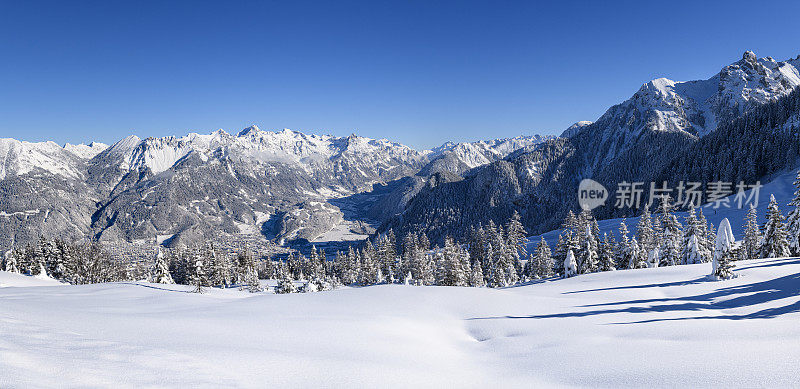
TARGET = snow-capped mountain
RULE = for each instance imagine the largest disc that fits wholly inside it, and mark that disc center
(575, 128)
(19, 157)
(457, 158)
(667, 131)
(696, 107)
(254, 184)
(86, 151)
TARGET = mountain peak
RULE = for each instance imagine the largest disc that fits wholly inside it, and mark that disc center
(749, 56)
(252, 129)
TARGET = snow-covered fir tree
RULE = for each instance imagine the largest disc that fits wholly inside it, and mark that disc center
(724, 256)
(694, 230)
(653, 258)
(285, 283)
(198, 277)
(623, 251)
(793, 220)
(694, 251)
(606, 257)
(221, 267)
(570, 266)
(752, 235)
(476, 278)
(455, 270)
(775, 243)
(516, 238)
(671, 235)
(543, 261)
(160, 273)
(645, 234)
(638, 255)
(10, 262)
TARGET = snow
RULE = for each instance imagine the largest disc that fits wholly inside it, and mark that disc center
(781, 186)
(20, 157)
(86, 151)
(663, 327)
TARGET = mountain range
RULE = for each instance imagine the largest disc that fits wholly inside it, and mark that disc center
(255, 186)
(288, 188)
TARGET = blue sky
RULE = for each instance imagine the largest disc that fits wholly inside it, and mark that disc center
(417, 72)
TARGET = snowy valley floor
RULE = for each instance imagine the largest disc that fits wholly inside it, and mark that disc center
(667, 327)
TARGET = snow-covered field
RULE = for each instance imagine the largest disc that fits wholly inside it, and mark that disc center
(664, 327)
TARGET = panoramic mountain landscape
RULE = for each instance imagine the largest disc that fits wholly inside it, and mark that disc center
(286, 189)
(399, 194)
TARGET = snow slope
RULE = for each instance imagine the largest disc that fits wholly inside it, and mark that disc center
(781, 186)
(663, 327)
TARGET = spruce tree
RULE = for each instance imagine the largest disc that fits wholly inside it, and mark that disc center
(516, 238)
(606, 254)
(693, 253)
(752, 234)
(160, 273)
(793, 228)
(654, 258)
(453, 268)
(775, 243)
(645, 234)
(570, 266)
(638, 255)
(722, 267)
(476, 278)
(543, 261)
(694, 229)
(198, 277)
(623, 249)
(11, 261)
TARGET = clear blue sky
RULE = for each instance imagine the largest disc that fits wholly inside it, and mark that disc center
(419, 72)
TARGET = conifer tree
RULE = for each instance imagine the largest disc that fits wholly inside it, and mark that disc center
(453, 269)
(11, 261)
(623, 249)
(561, 250)
(671, 238)
(516, 238)
(221, 269)
(752, 235)
(654, 258)
(160, 273)
(476, 278)
(606, 260)
(542, 261)
(693, 253)
(570, 266)
(638, 255)
(645, 234)
(588, 256)
(252, 281)
(285, 284)
(793, 228)
(426, 269)
(722, 267)
(775, 243)
(198, 277)
(694, 229)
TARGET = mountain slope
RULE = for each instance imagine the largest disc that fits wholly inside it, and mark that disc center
(662, 327)
(252, 187)
(633, 141)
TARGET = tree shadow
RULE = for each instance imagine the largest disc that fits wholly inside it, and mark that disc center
(153, 287)
(732, 297)
(644, 286)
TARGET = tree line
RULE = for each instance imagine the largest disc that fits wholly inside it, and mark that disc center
(492, 255)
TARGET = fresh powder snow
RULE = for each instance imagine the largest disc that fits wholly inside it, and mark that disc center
(663, 327)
